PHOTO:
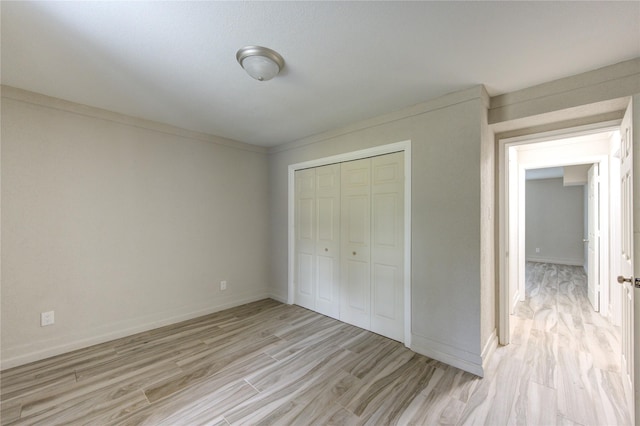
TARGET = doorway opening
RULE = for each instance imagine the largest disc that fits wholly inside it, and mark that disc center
(591, 148)
(602, 145)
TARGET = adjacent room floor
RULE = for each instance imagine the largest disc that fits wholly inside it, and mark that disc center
(569, 354)
(271, 363)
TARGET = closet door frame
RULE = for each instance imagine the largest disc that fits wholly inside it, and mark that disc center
(404, 146)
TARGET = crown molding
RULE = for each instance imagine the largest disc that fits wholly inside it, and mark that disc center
(445, 101)
(16, 94)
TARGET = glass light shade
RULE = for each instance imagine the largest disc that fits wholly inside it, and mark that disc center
(260, 67)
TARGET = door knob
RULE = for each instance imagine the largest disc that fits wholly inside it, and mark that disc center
(354, 253)
(326, 249)
(585, 240)
(622, 280)
(634, 281)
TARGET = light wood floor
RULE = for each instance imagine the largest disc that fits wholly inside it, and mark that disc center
(270, 363)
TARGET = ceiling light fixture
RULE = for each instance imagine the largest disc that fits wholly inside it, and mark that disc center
(260, 62)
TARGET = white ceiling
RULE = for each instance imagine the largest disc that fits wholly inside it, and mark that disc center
(174, 62)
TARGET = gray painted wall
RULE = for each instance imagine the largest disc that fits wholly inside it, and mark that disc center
(120, 226)
(554, 222)
(446, 136)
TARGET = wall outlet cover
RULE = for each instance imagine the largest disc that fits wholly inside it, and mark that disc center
(47, 318)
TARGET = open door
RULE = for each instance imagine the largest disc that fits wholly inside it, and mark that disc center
(593, 237)
(626, 277)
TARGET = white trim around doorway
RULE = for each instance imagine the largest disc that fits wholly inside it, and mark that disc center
(404, 146)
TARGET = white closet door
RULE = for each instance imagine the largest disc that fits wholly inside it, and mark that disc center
(305, 232)
(355, 301)
(349, 228)
(327, 297)
(387, 245)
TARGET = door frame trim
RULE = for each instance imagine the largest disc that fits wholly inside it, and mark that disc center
(403, 146)
(503, 207)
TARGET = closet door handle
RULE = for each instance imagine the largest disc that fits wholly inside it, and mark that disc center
(622, 280)
(326, 249)
(354, 253)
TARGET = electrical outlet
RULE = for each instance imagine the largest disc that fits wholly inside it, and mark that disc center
(537, 250)
(223, 285)
(47, 318)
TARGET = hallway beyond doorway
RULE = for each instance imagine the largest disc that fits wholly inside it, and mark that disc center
(572, 352)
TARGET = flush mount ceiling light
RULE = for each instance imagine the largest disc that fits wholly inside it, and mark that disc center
(260, 62)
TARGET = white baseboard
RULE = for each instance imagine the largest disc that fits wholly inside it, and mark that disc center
(442, 352)
(36, 351)
(556, 260)
(489, 348)
(278, 298)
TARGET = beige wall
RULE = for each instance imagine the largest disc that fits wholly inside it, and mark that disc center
(554, 222)
(446, 238)
(120, 225)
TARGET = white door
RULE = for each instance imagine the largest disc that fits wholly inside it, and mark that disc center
(355, 301)
(626, 253)
(327, 271)
(372, 248)
(349, 236)
(317, 233)
(593, 237)
(387, 245)
(305, 233)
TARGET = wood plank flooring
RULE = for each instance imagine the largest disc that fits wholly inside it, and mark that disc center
(269, 363)
(571, 351)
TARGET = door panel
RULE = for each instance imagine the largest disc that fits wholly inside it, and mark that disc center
(357, 219)
(384, 278)
(305, 277)
(593, 244)
(326, 274)
(305, 238)
(387, 245)
(626, 252)
(326, 219)
(328, 178)
(355, 248)
(385, 208)
(387, 170)
(327, 300)
(356, 294)
(305, 216)
(357, 173)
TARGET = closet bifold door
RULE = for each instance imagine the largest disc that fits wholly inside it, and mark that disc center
(317, 231)
(349, 236)
(355, 224)
(305, 233)
(372, 248)
(387, 245)
(328, 240)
